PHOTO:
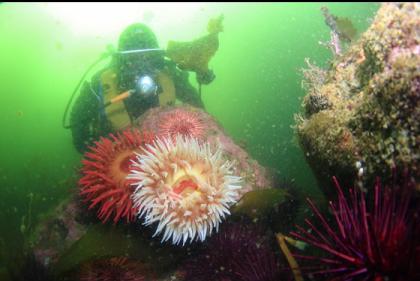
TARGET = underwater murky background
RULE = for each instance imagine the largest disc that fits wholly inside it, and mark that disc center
(45, 48)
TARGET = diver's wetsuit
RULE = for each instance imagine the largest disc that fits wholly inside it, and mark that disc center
(88, 118)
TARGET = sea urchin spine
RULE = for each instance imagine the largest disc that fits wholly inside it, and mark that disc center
(377, 243)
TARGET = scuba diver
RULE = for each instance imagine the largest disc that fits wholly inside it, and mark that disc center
(138, 77)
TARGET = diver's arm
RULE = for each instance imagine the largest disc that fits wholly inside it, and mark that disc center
(184, 90)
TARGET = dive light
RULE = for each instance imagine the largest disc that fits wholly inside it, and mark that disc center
(145, 87)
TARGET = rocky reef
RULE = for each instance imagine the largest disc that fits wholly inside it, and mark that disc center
(71, 236)
(361, 116)
(254, 176)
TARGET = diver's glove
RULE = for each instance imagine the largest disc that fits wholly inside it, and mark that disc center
(205, 77)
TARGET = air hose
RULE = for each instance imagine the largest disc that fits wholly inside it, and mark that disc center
(101, 58)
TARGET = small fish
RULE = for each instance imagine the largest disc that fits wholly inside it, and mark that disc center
(259, 202)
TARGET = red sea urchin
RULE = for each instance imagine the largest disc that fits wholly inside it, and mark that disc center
(377, 242)
(113, 269)
(184, 186)
(104, 171)
(181, 121)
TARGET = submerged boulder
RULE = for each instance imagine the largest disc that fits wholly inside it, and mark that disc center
(362, 114)
(195, 122)
(71, 235)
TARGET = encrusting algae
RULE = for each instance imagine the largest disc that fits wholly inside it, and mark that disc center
(362, 115)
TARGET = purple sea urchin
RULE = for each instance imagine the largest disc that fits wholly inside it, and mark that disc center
(377, 242)
(240, 252)
(113, 269)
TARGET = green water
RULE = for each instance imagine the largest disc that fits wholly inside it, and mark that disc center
(256, 92)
